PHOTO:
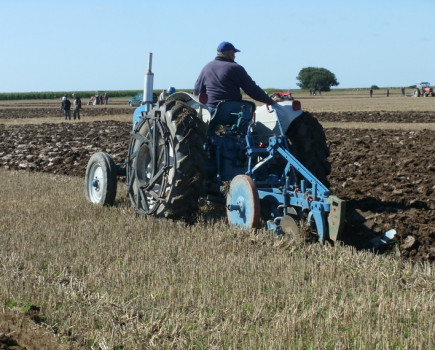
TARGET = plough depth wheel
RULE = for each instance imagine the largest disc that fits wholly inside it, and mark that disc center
(243, 203)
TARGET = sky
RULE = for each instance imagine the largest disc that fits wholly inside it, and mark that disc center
(87, 45)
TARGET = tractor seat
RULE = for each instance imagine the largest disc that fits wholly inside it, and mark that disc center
(233, 113)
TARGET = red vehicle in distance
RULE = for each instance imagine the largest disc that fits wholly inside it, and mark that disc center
(285, 96)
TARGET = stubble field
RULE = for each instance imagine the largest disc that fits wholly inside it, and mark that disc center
(103, 278)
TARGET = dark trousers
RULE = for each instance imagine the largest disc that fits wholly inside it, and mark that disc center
(76, 113)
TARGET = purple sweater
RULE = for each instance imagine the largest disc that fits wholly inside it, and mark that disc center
(223, 78)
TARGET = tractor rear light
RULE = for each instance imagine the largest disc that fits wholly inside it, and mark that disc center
(296, 105)
(203, 97)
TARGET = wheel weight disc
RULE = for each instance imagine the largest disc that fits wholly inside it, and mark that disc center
(243, 203)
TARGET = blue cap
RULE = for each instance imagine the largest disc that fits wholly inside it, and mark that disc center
(226, 46)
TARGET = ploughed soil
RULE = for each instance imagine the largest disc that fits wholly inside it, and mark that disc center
(376, 117)
(387, 176)
(46, 112)
(92, 111)
(22, 332)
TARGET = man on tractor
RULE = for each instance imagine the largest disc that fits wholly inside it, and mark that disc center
(222, 79)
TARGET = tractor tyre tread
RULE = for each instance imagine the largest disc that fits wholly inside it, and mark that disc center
(308, 145)
(190, 158)
(188, 136)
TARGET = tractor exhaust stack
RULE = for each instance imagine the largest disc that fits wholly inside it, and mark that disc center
(148, 85)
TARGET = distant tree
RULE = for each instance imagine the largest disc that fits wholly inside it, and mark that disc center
(374, 87)
(316, 78)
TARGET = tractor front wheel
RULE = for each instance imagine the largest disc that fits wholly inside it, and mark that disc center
(100, 179)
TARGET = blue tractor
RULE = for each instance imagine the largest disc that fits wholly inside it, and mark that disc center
(268, 165)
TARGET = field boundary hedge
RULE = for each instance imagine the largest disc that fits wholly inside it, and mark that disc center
(47, 95)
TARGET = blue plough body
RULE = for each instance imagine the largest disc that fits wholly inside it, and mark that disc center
(284, 185)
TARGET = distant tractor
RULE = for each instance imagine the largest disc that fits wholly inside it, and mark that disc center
(100, 98)
(284, 96)
(423, 89)
(136, 100)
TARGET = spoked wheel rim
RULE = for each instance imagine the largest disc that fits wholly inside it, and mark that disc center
(150, 166)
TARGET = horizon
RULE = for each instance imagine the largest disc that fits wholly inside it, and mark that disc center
(139, 90)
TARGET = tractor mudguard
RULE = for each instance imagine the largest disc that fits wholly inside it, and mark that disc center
(275, 119)
(192, 101)
(268, 119)
(137, 115)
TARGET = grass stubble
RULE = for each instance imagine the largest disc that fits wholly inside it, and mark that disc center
(105, 278)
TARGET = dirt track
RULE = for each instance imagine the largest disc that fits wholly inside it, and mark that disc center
(387, 176)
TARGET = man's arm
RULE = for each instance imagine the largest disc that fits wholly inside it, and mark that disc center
(252, 89)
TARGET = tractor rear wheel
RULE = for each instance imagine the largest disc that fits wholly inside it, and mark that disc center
(308, 145)
(165, 162)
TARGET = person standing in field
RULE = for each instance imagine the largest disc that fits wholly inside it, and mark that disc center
(222, 79)
(371, 92)
(77, 105)
(66, 106)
